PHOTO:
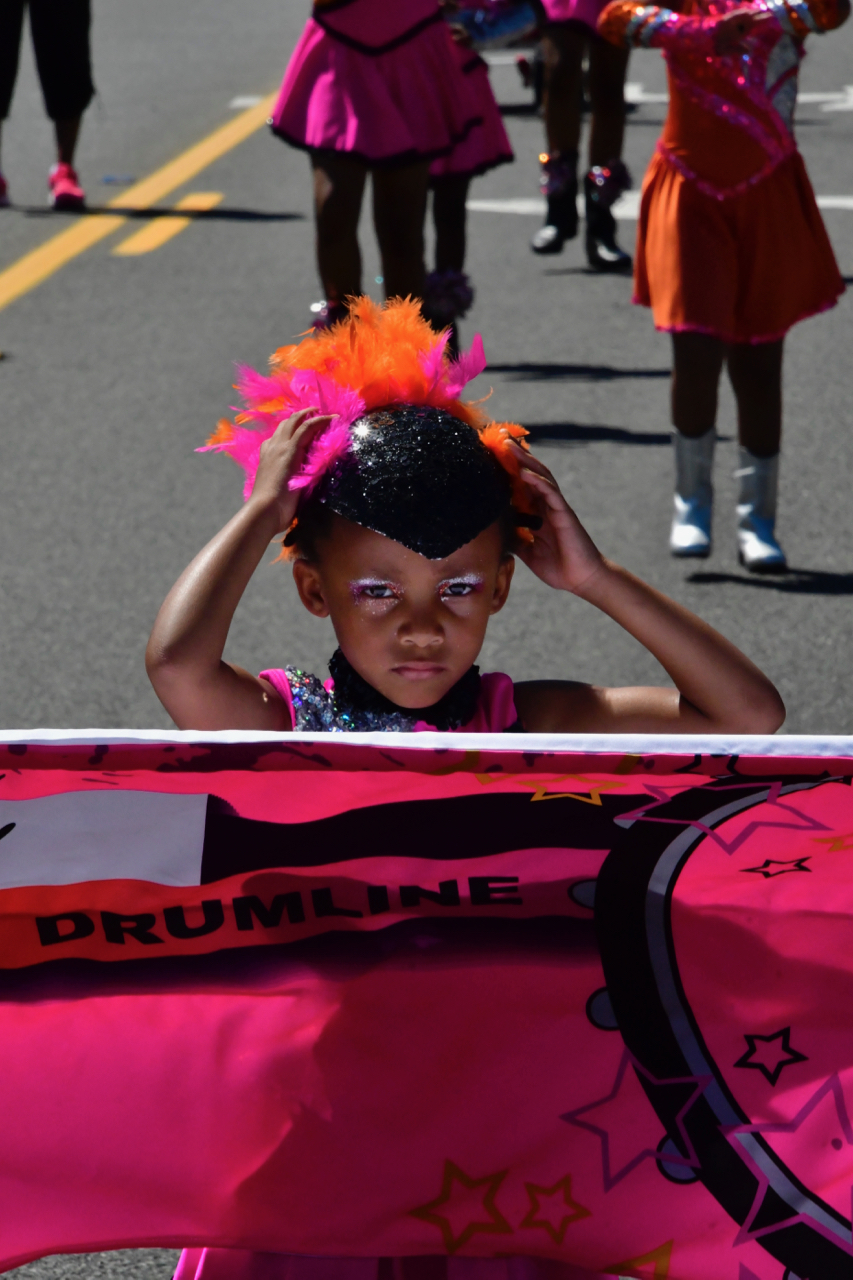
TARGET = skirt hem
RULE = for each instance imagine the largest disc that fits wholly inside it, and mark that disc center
(397, 160)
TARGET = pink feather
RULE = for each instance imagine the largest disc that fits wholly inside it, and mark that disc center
(434, 364)
(288, 393)
(322, 455)
(466, 367)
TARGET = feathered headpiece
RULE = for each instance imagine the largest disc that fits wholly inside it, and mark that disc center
(379, 357)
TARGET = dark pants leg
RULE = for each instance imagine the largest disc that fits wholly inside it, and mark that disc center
(11, 25)
(60, 31)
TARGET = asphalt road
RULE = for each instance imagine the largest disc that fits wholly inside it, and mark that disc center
(116, 367)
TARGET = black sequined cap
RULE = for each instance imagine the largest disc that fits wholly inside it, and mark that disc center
(419, 476)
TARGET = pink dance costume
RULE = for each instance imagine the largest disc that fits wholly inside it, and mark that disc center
(378, 81)
(730, 240)
(313, 706)
(486, 145)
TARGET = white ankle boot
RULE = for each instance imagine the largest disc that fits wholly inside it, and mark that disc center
(691, 524)
(758, 549)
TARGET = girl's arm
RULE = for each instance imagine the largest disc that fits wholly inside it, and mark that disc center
(653, 26)
(717, 689)
(184, 654)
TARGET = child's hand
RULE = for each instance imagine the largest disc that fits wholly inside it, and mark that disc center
(562, 553)
(281, 457)
(731, 31)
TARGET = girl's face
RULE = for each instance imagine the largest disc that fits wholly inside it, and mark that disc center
(411, 627)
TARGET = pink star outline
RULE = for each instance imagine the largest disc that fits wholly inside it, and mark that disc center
(832, 1085)
(611, 1178)
(806, 823)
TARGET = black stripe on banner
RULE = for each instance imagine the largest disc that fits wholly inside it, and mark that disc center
(440, 830)
(337, 955)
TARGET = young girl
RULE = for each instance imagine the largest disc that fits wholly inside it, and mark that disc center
(375, 88)
(403, 508)
(731, 248)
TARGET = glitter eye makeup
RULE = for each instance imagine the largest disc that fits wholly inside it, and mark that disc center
(373, 589)
(458, 588)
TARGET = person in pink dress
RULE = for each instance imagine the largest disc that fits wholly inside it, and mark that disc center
(570, 33)
(373, 88)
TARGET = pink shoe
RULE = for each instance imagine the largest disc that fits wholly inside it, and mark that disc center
(4, 193)
(65, 190)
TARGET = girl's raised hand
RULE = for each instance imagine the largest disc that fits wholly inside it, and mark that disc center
(562, 553)
(281, 457)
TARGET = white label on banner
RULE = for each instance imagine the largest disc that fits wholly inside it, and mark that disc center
(102, 835)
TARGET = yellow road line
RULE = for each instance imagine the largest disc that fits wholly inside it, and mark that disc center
(35, 266)
(160, 231)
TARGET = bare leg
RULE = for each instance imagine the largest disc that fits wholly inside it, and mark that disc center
(338, 192)
(755, 372)
(697, 364)
(399, 209)
(67, 133)
(607, 67)
(449, 216)
(562, 56)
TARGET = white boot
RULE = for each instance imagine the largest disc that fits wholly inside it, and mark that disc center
(758, 549)
(691, 524)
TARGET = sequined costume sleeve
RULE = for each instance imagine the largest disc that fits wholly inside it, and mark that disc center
(628, 22)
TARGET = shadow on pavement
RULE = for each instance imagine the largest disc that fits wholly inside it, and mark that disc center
(803, 582)
(584, 433)
(518, 109)
(221, 214)
(578, 372)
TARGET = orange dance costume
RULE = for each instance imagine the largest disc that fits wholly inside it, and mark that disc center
(730, 241)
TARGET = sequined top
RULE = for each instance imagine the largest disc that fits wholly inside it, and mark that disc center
(730, 119)
(313, 707)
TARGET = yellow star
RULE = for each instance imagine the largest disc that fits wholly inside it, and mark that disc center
(653, 1265)
(459, 1209)
(541, 785)
(835, 844)
(553, 1217)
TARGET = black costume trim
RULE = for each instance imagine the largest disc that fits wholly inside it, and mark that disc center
(396, 161)
(354, 696)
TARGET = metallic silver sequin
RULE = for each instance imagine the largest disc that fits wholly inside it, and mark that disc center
(314, 710)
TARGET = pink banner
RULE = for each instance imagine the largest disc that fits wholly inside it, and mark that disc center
(328, 997)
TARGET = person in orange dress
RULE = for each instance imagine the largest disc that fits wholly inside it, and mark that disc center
(731, 247)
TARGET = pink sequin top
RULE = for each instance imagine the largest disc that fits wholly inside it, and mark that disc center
(730, 120)
(495, 711)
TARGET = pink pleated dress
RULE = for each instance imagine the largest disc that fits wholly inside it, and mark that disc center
(378, 80)
(486, 145)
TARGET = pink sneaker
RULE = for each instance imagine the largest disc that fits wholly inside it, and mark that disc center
(4, 193)
(65, 190)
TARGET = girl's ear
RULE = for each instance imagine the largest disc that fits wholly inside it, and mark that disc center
(310, 587)
(503, 583)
